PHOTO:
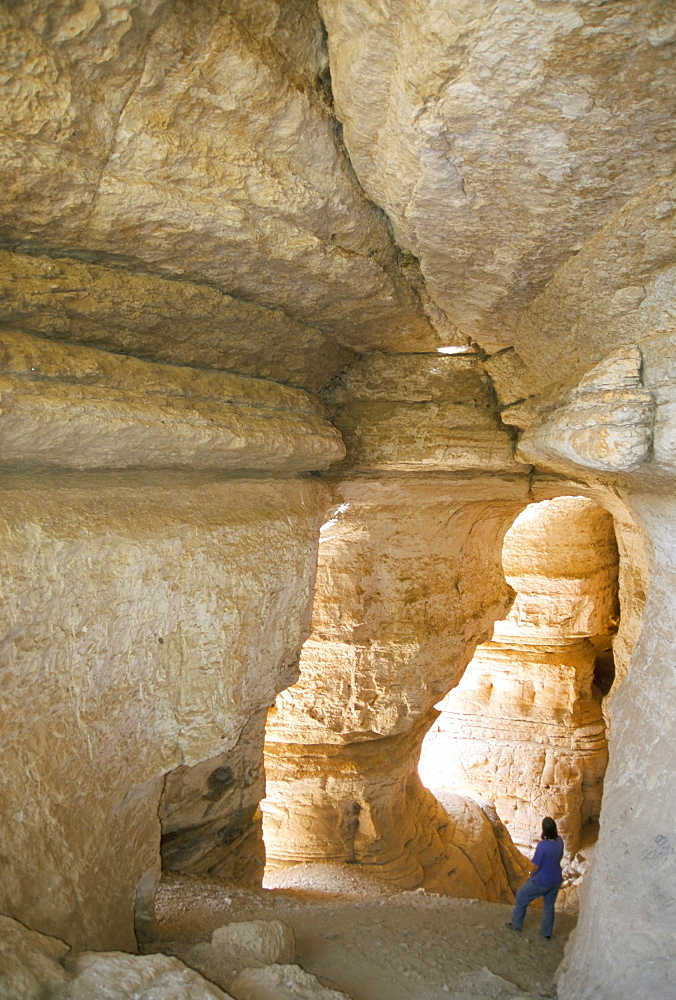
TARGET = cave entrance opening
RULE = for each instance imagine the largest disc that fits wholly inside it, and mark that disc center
(525, 727)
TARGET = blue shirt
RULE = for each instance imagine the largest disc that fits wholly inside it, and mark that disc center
(547, 857)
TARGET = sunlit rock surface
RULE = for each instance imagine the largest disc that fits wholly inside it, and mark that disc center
(117, 976)
(524, 727)
(179, 187)
(408, 582)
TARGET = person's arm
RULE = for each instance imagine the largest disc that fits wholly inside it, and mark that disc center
(537, 858)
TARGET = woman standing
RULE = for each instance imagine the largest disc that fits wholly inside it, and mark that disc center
(544, 881)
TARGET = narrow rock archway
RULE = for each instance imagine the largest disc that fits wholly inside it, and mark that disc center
(525, 725)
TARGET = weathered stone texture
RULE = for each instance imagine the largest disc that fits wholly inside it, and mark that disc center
(246, 944)
(419, 412)
(629, 897)
(196, 141)
(117, 976)
(618, 290)
(524, 728)
(604, 423)
(499, 136)
(279, 982)
(30, 963)
(162, 320)
(409, 581)
(146, 621)
(210, 815)
(75, 407)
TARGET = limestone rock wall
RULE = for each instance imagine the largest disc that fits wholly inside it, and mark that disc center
(500, 136)
(198, 141)
(153, 609)
(147, 619)
(74, 407)
(409, 580)
(524, 728)
(176, 185)
(415, 413)
(629, 893)
(210, 813)
(624, 942)
(162, 320)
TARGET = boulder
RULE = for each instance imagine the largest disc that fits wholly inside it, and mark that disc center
(242, 945)
(281, 982)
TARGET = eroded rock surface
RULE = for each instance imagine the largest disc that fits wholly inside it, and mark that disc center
(176, 185)
(30, 963)
(416, 412)
(210, 814)
(282, 982)
(524, 728)
(162, 320)
(499, 137)
(117, 976)
(143, 618)
(241, 945)
(73, 407)
(408, 582)
(196, 141)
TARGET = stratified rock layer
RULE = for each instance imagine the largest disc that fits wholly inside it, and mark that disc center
(416, 412)
(409, 581)
(162, 320)
(524, 727)
(73, 407)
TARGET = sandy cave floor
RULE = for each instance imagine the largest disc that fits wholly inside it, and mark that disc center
(359, 937)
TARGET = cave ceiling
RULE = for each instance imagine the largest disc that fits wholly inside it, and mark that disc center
(331, 177)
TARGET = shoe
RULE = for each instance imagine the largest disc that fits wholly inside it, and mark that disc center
(513, 928)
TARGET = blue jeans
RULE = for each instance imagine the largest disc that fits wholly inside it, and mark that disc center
(526, 894)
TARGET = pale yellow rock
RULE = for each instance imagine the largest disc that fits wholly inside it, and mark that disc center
(408, 580)
(363, 803)
(147, 618)
(282, 982)
(162, 320)
(511, 377)
(197, 141)
(499, 137)
(619, 289)
(30, 963)
(245, 944)
(628, 896)
(604, 423)
(117, 976)
(75, 407)
(68, 70)
(561, 558)
(524, 728)
(419, 412)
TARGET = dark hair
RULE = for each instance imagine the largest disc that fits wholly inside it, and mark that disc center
(549, 831)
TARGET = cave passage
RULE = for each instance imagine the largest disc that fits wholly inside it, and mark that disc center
(525, 728)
